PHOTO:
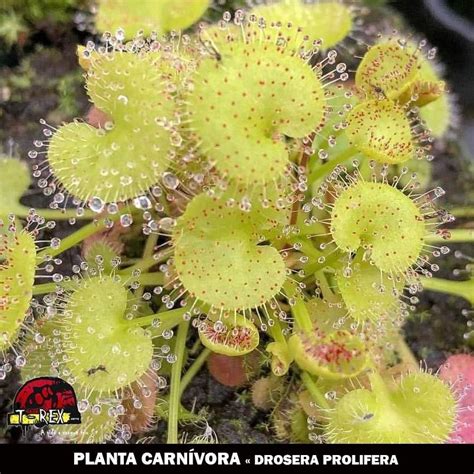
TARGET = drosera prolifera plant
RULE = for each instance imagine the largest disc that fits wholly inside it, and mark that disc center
(250, 168)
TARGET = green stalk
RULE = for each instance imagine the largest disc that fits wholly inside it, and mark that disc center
(365, 170)
(462, 212)
(298, 310)
(148, 252)
(57, 214)
(313, 267)
(44, 288)
(324, 144)
(194, 369)
(314, 391)
(306, 230)
(195, 348)
(77, 237)
(150, 279)
(308, 248)
(405, 353)
(301, 315)
(175, 390)
(276, 332)
(379, 387)
(146, 279)
(324, 169)
(323, 283)
(457, 235)
(143, 264)
(168, 319)
(463, 289)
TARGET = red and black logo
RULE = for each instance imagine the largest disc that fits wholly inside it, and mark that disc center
(45, 401)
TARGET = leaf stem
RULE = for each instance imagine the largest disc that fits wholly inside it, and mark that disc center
(405, 353)
(326, 290)
(77, 237)
(150, 279)
(378, 386)
(148, 252)
(175, 389)
(324, 169)
(463, 289)
(194, 369)
(168, 319)
(44, 288)
(146, 279)
(314, 391)
(308, 248)
(276, 332)
(143, 264)
(312, 268)
(301, 315)
(457, 235)
(461, 212)
(57, 214)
